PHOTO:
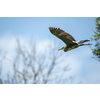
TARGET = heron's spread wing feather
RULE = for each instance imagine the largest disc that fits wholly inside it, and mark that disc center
(64, 36)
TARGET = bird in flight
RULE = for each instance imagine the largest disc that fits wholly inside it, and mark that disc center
(69, 40)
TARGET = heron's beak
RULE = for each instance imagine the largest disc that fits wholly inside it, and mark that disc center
(61, 48)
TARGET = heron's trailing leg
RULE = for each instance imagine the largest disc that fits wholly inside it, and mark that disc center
(86, 44)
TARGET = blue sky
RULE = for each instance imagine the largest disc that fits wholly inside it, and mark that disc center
(84, 67)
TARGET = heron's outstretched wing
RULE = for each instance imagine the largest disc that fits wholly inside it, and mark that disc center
(64, 36)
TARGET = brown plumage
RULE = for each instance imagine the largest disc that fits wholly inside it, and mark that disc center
(68, 39)
(64, 36)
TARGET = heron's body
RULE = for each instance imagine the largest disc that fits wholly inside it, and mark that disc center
(70, 42)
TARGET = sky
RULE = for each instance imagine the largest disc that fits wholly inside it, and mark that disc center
(83, 66)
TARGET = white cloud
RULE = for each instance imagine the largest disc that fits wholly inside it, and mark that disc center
(82, 65)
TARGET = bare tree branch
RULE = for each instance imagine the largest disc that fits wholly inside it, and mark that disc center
(36, 67)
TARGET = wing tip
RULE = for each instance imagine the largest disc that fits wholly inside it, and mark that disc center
(53, 28)
(50, 28)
